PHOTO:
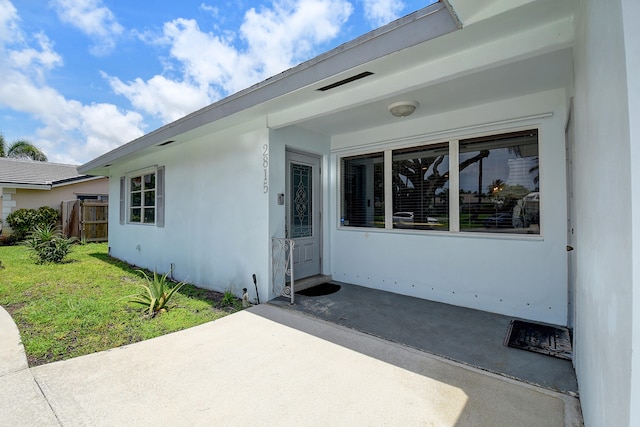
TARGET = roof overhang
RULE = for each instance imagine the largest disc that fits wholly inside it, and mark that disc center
(44, 187)
(76, 180)
(419, 27)
(50, 185)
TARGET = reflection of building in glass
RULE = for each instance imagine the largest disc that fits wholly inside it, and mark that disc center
(519, 172)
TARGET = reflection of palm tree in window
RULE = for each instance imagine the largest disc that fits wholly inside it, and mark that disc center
(536, 169)
(496, 187)
(414, 184)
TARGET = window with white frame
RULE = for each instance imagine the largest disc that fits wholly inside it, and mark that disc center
(142, 197)
(496, 183)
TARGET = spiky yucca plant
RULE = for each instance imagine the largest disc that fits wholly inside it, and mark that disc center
(48, 244)
(155, 295)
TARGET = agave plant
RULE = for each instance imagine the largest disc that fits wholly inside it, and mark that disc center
(155, 295)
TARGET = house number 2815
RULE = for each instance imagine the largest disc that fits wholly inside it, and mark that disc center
(265, 166)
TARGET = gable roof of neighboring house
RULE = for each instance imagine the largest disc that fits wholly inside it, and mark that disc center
(29, 174)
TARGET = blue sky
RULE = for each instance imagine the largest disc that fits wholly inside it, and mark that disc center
(81, 77)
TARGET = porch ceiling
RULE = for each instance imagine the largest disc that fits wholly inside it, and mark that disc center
(544, 72)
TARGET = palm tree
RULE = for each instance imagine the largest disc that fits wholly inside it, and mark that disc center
(21, 149)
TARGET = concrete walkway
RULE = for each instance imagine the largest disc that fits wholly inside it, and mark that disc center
(265, 366)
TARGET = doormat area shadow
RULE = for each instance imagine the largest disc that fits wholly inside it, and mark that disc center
(545, 339)
(320, 290)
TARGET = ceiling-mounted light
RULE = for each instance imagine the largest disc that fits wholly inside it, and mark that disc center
(403, 108)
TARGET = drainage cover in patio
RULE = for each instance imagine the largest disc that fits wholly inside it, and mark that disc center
(320, 290)
(550, 340)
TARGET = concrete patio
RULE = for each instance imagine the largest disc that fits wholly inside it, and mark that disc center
(467, 336)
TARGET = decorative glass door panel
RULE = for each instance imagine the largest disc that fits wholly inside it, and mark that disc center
(301, 201)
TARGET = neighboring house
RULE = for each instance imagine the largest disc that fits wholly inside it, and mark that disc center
(27, 184)
(524, 108)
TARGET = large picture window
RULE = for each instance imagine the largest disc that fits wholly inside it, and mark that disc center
(496, 184)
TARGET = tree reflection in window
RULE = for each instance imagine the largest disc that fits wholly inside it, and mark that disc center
(500, 191)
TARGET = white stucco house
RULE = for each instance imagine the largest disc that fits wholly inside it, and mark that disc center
(512, 187)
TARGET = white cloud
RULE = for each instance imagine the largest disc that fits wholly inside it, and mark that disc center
(214, 66)
(93, 19)
(285, 35)
(214, 11)
(70, 131)
(163, 98)
(98, 128)
(35, 60)
(381, 12)
(8, 20)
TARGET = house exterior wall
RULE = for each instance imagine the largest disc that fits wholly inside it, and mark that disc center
(20, 198)
(8, 203)
(216, 232)
(607, 186)
(522, 276)
(631, 14)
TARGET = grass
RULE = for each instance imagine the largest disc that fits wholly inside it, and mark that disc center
(76, 308)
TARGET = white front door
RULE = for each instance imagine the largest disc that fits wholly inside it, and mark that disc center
(303, 213)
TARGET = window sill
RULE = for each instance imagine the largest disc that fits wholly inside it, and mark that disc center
(446, 234)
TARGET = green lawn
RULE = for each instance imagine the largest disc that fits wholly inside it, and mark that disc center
(75, 308)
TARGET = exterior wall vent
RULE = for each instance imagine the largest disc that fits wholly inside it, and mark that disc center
(345, 81)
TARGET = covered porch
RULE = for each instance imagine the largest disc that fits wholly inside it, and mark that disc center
(464, 335)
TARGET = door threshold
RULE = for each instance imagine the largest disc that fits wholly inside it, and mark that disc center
(311, 281)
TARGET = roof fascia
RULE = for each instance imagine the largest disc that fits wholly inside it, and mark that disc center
(400, 34)
(25, 186)
(71, 181)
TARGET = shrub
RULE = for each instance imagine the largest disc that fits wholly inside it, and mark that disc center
(23, 221)
(47, 244)
(47, 215)
(155, 295)
(228, 298)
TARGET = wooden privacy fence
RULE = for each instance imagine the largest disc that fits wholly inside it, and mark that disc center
(87, 220)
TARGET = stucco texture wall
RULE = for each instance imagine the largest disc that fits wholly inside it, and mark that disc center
(523, 276)
(33, 199)
(216, 216)
(604, 197)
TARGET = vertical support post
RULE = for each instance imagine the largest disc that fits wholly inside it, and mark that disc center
(291, 245)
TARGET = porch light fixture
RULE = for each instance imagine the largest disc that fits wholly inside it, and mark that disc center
(402, 108)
